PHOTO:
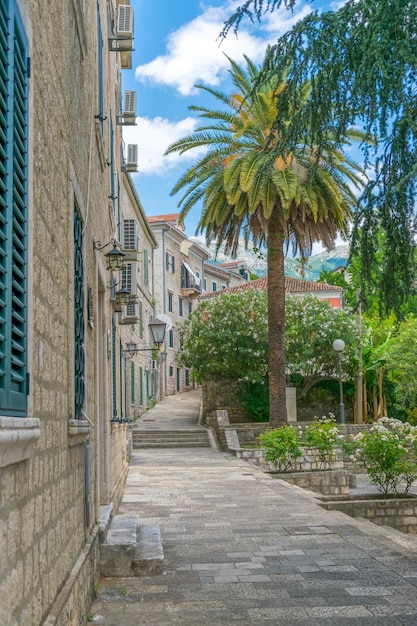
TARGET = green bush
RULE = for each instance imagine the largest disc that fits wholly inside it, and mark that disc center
(281, 446)
(388, 453)
(324, 435)
(254, 398)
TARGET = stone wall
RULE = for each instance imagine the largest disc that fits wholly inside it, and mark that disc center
(399, 513)
(223, 395)
(49, 498)
(307, 462)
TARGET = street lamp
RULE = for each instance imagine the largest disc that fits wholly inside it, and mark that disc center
(339, 346)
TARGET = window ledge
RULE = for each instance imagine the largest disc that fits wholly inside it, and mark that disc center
(18, 436)
(79, 431)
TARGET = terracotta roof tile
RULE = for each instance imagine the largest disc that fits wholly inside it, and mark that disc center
(292, 285)
(171, 217)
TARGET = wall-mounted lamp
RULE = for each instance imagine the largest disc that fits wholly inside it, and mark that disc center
(123, 297)
(114, 258)
(157, 329)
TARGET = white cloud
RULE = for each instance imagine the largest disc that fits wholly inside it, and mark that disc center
(196, 54)
(153, 137)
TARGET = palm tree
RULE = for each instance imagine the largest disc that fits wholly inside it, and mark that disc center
(249, 190)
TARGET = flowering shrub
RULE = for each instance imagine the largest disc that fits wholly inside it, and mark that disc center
(388, 453)
(324, 435)
(281, 446)
(227, 337)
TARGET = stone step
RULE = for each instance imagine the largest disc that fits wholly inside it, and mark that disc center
(171, 444)
(171, 439)
(131, 549)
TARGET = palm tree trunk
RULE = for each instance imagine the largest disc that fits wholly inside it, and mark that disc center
(276, 321)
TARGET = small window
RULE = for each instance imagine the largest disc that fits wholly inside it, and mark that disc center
(190, 308)
(187, 378)
(205, 284)
(180, 307)
(214, 286)
(170, 262)
(170, 303)
(223, 286)
(171, 338)
(171, 370)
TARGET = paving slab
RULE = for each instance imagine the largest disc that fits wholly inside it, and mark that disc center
(244, 548)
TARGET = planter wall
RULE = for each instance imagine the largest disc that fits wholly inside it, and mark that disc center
(399, 513)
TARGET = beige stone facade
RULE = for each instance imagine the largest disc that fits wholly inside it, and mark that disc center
(178, 276)
(142, 370)
(64, 454)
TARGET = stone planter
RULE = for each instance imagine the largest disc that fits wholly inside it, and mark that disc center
(326, 482)
(381, 509)
(307, 462)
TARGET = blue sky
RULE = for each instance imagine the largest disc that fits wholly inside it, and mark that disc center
(177, 46)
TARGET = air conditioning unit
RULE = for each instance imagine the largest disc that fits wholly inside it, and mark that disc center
(130, 314)
(122, 40)
(131, 162)
(124, 28)
(130, 240)
(129, 109)
(128, 116)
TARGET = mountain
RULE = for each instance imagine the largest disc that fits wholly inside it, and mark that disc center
(256, 261)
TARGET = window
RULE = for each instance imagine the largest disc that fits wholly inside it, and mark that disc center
(171, 370)
(170, 303)
(13, 211)
(214, 286)
(187, 378)
(190, 308)
(79, 322)
(180, 307)
(171, 338)
(170, 262)
(205, 284)
(223, 286)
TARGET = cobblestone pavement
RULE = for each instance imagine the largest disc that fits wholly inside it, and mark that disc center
(242, 547)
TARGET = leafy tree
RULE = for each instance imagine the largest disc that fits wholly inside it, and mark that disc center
(295, 196)
(240, 319)
(227, 337)
(312, 326)
(362, 63)
(401, 361)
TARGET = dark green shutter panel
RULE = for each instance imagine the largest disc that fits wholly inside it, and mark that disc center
(114, 374)
(4, 147)
(13, 211)
(79, 321)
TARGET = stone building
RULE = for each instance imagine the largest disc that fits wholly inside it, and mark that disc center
(141, 363)
(219, 276)
(63, 451)
(178, 275)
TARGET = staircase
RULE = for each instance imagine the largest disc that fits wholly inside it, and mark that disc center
(192, 438)
(131, 549)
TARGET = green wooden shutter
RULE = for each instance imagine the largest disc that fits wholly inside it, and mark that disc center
(13, 211)
(113, 370)
(79, 321)
(146, 266)
(132, 382)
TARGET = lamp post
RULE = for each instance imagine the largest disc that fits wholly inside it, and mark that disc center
(339, 346)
